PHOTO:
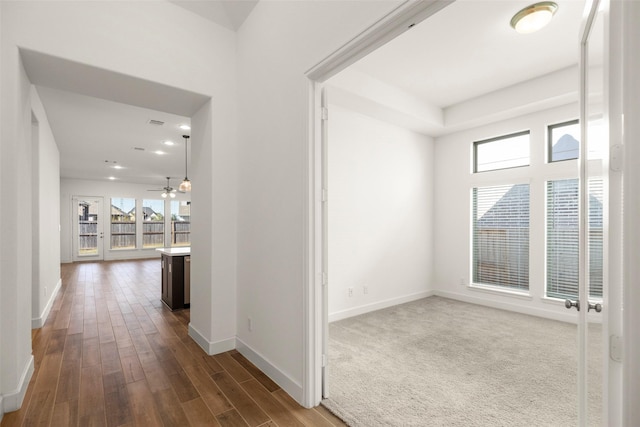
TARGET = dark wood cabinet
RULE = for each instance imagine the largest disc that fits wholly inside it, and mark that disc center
(173, 281)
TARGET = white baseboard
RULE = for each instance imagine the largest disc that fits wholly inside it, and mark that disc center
(568, 317)
(13, 401)
(288, 384)
(39, 321)
(211, 347)
(362, 309)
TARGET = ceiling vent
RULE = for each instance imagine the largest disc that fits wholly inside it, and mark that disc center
(138, 148)
(156, 122)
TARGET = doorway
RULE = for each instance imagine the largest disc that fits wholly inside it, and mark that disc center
(318, 203)
(88, 231)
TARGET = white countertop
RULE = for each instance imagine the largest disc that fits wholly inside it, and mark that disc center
(175, 251)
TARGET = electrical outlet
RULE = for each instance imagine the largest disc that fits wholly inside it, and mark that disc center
(365, 290)
(350, 292)
(249, 324)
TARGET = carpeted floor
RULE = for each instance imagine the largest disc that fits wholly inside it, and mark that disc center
(440, 362)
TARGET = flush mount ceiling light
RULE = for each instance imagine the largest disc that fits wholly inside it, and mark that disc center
(185, 186)
(534, 17)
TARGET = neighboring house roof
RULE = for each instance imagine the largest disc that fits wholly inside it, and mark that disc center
(117, 211)
(566, 148)
(509, 211)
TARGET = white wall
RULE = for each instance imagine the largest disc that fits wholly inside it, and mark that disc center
(380, 214)
(46, 227)
(276, 45)
(107, 190)
(454, 180)
(16, 361)
(153, 41)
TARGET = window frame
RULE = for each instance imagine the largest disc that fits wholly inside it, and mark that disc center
(500, 138)
(550, 129)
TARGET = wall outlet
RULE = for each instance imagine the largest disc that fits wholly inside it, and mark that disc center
(350, 292)
(249, 324)
(365, 290)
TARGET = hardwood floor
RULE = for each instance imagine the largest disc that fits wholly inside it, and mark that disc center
(111, 354)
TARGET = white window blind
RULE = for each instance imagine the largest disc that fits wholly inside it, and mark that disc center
(501, 236)
(562, 238)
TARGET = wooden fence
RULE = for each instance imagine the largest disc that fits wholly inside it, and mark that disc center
(123, 234)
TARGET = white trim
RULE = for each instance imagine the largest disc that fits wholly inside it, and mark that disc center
(1, 408)
(13, 401)
(396, 22)
(39, 321)
(569, 317)
(288, 384)
(496, 290)
(367, 308)
(211, 347)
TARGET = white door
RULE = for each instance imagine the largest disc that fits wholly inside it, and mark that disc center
(325, 244)
(592, 295)
(88, 232)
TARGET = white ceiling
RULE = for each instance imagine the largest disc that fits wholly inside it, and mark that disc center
(469, 49)
(94, 134)
(466, 50)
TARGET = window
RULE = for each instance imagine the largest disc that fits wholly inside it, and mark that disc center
(503, 152)
(153, 223)
(123, 223)
(180, 223)
(564, 141)
(562, 238)
(501, 236)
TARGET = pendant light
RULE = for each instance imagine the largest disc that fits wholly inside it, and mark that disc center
(185, 186)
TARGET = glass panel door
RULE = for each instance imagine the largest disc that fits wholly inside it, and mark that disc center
(88, 235)
(593, 208)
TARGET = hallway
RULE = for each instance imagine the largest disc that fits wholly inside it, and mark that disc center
(112, 354)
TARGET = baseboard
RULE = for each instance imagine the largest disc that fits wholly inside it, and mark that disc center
(569, 317)
(13, 401)
(288, 384)
(211, 347)
(362, 309)
(1, 408)
(40, 321)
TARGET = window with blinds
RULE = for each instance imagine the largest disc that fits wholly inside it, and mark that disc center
(562, 238)
(501, 236)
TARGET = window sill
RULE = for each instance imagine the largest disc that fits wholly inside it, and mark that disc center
(500, 291)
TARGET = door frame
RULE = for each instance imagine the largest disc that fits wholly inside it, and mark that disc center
(390, 26)
(74, 230)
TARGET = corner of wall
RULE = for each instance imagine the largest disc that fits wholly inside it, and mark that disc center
(288, 384)
(211, 347)
(13, 401)
(40, 321)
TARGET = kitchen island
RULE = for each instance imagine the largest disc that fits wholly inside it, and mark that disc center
(176, 277)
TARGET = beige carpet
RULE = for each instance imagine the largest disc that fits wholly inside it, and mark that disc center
(440, 362)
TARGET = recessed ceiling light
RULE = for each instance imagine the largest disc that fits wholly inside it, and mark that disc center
(533, 17)
(185, 127)
(112, 178)
(159, 152)
(167, 142)
(117, 167)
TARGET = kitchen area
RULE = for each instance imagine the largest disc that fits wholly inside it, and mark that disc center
(176, 277)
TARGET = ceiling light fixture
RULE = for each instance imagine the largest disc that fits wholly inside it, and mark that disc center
(185, 186)
(185, 127)
(167, 142)
(160, 153)
(117, 167)
(112, 178)
(533, 17)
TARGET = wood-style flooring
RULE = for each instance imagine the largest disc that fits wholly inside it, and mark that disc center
(111, 354)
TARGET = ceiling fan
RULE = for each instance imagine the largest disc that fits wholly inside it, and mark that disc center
(168, 190)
